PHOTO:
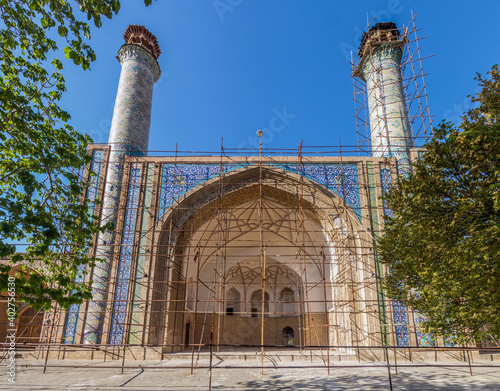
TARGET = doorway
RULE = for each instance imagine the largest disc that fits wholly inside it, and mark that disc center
(288, 336)
(186, 336)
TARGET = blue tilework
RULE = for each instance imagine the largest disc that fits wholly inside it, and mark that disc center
(401, 323)
(399, 309)
(180, 178)
(449, 342)
(342, 179)
(125, 260)
(404, 167)
(129, 135)
(140, 258)
(386, 182)
(21, 305)
(111, 200)
(423, 339)
(91, 196)
(132, 112)
(389, 126)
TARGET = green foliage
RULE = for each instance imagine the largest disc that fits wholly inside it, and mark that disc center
(41, 155)
(442, 245)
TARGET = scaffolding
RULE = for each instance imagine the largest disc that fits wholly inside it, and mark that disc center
(269, 254)
(245, 252)
(413, 79)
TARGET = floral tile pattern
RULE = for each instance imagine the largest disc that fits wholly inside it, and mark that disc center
(91, 196)
(125, 260)
(342, 179)
(399, 309)
(423, 339)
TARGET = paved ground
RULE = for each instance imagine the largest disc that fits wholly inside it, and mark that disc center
(154, 375)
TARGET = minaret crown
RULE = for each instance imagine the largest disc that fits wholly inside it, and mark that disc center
(140, 35)
(380, 33)
(382, 40)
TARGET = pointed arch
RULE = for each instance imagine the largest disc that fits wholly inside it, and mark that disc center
(177, 251)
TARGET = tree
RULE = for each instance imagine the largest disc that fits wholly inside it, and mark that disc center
(41, 155)
(442, 244)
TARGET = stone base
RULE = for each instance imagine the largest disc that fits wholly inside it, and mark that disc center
(290, 354)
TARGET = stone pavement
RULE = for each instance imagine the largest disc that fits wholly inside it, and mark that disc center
(155, 375)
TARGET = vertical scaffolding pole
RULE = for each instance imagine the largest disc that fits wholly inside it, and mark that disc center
(262, 258)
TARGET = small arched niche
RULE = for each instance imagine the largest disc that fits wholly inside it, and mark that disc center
(288, 336)
(233, 302)
(288, 304)
(256, 304)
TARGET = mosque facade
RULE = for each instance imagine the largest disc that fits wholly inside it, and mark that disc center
(243, 251)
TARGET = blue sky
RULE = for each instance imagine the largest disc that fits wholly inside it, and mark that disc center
(231, 66)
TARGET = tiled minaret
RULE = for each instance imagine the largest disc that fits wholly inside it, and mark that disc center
(381, 51)
(129, 135)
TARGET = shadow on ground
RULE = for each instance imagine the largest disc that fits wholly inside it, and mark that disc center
(160, 377)
(446, 380)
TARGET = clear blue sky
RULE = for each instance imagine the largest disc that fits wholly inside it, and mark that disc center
(227, 72)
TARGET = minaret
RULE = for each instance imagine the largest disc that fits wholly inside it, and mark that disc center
(381, 50)
(129, 135)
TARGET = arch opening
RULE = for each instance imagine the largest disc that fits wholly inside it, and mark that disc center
(288, 335)
(217, 251)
